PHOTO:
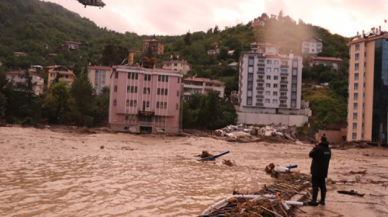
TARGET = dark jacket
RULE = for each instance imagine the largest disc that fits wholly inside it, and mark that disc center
(321, 155)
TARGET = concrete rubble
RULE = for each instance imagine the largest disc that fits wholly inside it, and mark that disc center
(277, 132)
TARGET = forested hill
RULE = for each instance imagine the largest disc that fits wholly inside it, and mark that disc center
(28, 26)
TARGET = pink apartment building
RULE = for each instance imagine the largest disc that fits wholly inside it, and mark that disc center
(145, 100)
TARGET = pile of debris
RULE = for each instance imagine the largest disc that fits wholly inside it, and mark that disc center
(272, 200)
(273, 132)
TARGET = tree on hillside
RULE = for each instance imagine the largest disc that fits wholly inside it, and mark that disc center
(187, 38)
(82, 93)
(101, 108)
(58, 101)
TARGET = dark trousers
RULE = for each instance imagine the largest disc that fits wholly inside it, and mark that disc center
(318, 182)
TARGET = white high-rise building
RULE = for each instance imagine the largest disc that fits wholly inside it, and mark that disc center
(270, 83)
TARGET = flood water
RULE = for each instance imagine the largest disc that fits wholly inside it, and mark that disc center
(52, 174)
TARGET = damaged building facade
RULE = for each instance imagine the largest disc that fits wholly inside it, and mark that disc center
(270, 87)
(145, 100)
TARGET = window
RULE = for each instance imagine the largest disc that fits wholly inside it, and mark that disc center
(116, 75)
(249, 93)
(267, 101)
(356, 66)
(131, 89)
(357, 47)
(275, 93)
(147, 77)
(276, 62)
(268, 77)
(293, 103)
(283, 94)
(250, 77)
(260, 77)
(284, 71)
(147, 90)
(355, 96)
(162, 91)
(275, 85)
(250, 69)
(127, 103)
(249, 101)
(269, 62)
(354, 136)
(260, 92)
(354, 126)
(268, 69)
(355, 86)
(283, 87)
(355, 105)
(250, 61)
(261, 61)
(133, 76)
(114, 102)
(133, 103)
(275, 101)
(267, 85)
(356, 76)
(115, 88)
(146, 104)
(275, 77)
(177, 93)
(163, 78)
(294, 72)
(276, 70)
(355, 116)
(294, 64)
(267, 93)
(356, 56)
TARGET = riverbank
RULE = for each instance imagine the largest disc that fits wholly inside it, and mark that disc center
(63, 172)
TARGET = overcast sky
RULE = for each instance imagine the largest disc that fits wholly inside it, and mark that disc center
(176, 17)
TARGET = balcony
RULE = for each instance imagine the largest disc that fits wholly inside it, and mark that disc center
(260, 80)
(259, 88)
(283, 89)
(260, 72)
(284, 65)
(283, 105)
(259, 104)
(283, 97)
(259, 96)
(284, 82)
(261, 64)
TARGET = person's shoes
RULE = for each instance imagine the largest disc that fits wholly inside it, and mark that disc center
(312, 203)
(322, 203)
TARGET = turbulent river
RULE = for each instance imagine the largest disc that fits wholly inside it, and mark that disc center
(47, 173)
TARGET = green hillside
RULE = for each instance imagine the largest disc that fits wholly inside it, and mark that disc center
(29, 26)
(40, 28)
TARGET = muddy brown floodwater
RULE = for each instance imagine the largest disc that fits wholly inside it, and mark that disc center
(47, 173)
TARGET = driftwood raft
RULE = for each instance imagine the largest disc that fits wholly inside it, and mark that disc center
(269, 201)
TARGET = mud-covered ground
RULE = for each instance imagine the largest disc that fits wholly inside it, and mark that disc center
(45, 172)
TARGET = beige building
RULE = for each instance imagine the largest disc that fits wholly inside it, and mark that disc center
(202, 86)
(368, 87)
(177, 65)
(18, 77)
(99, 77)
(312, 46)
(60, 72)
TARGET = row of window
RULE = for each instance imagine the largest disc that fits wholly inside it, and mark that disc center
(158, 119)
(274, 93)
(146, 90)
(282, 87)
(271, 62)
(135, 76)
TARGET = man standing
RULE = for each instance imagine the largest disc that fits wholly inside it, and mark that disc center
(321, 155)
